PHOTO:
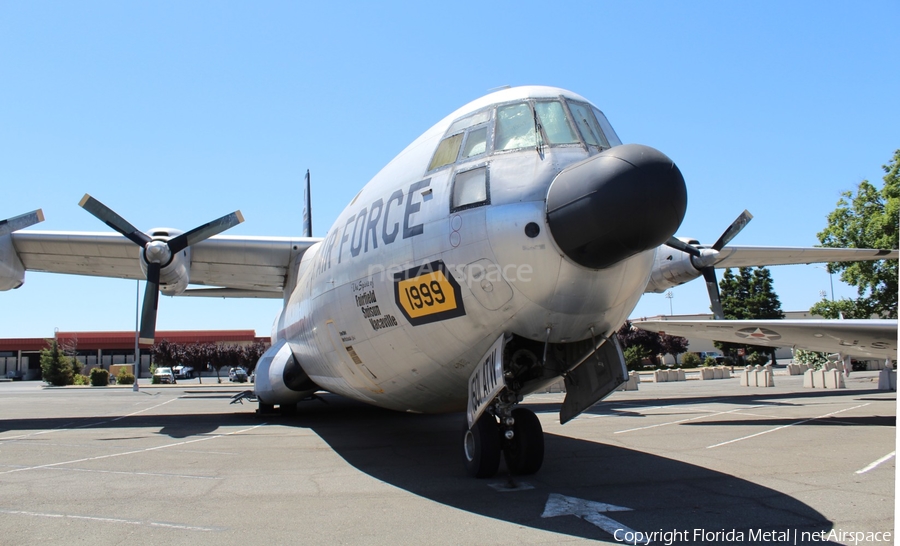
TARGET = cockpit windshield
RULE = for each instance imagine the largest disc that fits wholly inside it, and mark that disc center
(524, 124)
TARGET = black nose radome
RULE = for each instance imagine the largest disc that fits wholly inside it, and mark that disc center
(622, 201)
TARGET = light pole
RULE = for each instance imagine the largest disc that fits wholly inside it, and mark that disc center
(669, 297)
(830, 278)
(137, 348)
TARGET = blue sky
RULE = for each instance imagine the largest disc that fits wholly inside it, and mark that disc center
(175, 113)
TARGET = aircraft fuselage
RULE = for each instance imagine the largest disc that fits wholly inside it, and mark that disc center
(418, 276)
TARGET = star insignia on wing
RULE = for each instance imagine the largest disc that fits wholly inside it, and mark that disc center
(758, 334)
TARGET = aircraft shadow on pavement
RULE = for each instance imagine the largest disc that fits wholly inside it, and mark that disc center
(422, 454)
(623, 407)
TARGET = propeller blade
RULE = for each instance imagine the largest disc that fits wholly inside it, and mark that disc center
(739, 223)
(151, 303)
(21, 222)
(113, 220)
(678, 244)
(201, 233)
(712, 286)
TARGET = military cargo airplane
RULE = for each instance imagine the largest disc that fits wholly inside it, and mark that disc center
(498, 252)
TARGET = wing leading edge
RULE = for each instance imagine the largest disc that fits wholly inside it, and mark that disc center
(237, 266)
(857, 337)
(758, 256)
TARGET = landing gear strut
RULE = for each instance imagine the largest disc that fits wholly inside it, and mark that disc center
(518, 434)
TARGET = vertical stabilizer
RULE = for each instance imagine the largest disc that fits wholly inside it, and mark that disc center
(307, 209)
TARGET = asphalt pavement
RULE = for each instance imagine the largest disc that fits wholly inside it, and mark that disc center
(694, 462)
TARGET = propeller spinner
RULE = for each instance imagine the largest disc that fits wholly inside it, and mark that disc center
(157, 253)
(704, 259)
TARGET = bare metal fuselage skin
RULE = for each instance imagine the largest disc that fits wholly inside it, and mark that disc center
(404, 295)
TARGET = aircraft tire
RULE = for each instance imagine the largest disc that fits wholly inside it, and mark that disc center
(524, 454)
(481, 447)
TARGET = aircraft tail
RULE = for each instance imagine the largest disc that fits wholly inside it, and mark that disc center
(307, 209)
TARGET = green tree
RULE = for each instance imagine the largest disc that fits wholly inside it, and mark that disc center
(56, 367)
(867, 218)
(749, 295)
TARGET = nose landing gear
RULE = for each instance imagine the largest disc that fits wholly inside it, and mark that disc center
(518, 434)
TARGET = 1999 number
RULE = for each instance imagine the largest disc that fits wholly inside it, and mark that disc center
(425, 294)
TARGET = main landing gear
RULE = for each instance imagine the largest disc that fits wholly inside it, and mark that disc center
(513, 430)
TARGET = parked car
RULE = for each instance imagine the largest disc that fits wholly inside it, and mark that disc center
(715, 355)
(164, 375)
(238, 375)
(183, 372)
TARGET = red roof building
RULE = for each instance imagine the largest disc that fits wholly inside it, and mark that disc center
(20, 357)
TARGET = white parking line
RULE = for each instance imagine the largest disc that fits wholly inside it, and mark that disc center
(94, 424)
(704, 416)
(154, 474)
(109, 520)
(165, 446)
(785, 426)
(874, 465)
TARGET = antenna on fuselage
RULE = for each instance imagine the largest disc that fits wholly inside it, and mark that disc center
(307, 209)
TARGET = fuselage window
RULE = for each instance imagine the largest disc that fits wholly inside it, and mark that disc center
(553, 120)
(515, 127)
(447, 151)
(470, 189)
(587, 124)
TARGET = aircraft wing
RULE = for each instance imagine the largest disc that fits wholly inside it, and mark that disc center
(856, 337)
(237, 266)
(758, 256)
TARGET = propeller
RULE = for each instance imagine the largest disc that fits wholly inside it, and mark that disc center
(704, 259)
(21, 222)
(157, 253)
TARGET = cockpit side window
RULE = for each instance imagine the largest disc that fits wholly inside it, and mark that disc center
(447, 151)
(469, 121)
(611, 135)
(476, 142)
(515, 127)
(470, 133)
(587, 125)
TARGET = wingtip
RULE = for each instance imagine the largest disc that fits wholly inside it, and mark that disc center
(40, 215)
(240, 216)
(84, 200)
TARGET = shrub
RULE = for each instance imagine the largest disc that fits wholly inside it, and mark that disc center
(80, 379)
(154, 379)
(690, 360)
(757, 359)
(99, 377)
(124, 377)
(634, 357)
(56, 368)
(810, 358)
(710, 362)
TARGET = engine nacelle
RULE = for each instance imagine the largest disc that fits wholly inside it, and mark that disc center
(175, 273)
(279, 378)
(12, 272)
(671, 268)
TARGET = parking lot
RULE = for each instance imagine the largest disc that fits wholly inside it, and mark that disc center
(180, 465)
